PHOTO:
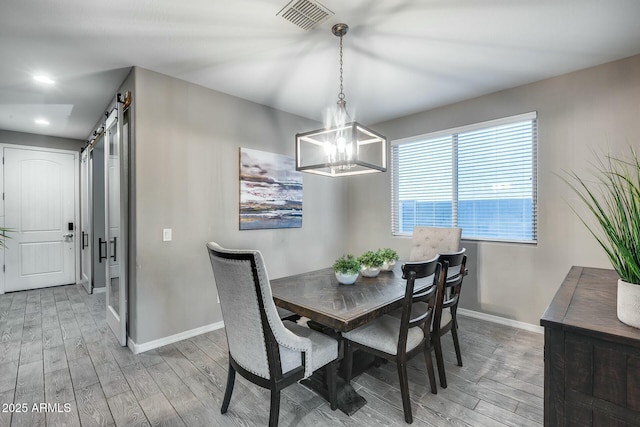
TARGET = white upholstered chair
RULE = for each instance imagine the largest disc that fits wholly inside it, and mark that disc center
(429, 242)
(262, 348)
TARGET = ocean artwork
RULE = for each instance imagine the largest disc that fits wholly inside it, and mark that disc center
(270, 191)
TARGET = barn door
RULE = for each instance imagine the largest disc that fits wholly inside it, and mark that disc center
(115, 230)
(86, 201)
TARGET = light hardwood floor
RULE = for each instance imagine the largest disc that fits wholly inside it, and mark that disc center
(55, 348)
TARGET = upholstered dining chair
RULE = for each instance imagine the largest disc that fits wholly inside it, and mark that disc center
(445, 315)
(401, 339)
(429, 242)
(262, 348)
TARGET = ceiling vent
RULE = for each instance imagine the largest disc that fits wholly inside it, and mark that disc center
(305, 14)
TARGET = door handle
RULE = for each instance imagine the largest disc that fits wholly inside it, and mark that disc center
(115, 248)
(100, 255)
(84, 245)
(68, 236)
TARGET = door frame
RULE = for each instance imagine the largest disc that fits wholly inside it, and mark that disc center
(76, 200)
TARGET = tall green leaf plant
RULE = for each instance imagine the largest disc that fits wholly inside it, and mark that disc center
(613, 199)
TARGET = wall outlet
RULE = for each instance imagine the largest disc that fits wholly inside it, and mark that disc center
(166, 234)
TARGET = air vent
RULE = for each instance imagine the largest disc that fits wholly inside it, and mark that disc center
(305, 14)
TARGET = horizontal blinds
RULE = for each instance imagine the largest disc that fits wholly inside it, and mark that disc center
(423, 184)
(495, 182)
(495, 177)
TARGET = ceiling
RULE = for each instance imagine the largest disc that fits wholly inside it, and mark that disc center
(400, 56)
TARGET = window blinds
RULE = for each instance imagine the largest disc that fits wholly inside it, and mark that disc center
(481, 178)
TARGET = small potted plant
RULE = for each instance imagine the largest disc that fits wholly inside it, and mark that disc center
(370, 263)
(347, 269)
(389, 258)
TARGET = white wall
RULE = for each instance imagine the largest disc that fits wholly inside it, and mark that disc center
(593, 109)
(187, 141)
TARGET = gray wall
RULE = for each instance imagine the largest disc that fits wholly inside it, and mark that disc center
(187, 142)
(20, 138)
(593, 109)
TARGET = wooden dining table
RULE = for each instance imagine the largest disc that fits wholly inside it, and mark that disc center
(331, 307)
(318, 296)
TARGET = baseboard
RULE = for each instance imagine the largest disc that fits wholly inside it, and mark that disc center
(501, 320)
(141, 348)
(100, 290)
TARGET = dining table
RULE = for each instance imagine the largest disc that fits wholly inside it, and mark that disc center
(318, 296)
(333, 308)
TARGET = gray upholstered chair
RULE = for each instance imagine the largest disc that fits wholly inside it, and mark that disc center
(429, 242)
(262, 348)
(445, 316)
(401, 339)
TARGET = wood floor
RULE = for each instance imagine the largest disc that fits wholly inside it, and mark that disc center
(55, 348)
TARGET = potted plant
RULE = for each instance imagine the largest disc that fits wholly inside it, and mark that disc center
(614, 201)
(347, 269)
(370, 263)
(389, 258)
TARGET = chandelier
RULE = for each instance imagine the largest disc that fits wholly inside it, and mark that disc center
(344, 147)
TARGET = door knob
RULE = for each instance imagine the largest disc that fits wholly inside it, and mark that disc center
(67, 236)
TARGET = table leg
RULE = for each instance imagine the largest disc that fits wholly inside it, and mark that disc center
(349, 401)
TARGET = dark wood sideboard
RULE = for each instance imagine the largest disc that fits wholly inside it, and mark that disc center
(592, 360)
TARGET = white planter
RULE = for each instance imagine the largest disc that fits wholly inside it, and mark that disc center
(629, 303)
(369, 271)
(388, 265)
(346, 279)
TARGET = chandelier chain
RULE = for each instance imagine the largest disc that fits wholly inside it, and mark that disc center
(341, 94)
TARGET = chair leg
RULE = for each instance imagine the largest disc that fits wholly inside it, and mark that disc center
(404, 390)
(331, 370)
(456, 344)
(231, 377)
(274, 411)
(430, 371)
(440, 361)
(348, 360)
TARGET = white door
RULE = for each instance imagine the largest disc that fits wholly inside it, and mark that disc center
(86, 201)
(40, 210)
(115, 207)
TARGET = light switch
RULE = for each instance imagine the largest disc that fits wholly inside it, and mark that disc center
(166, 234)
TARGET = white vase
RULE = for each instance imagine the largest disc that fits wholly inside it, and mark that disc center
(388, 265)
(629, 303)
(346, 278)
(369, 271)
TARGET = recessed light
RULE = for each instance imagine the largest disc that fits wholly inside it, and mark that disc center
(42, 122)
(43, 79)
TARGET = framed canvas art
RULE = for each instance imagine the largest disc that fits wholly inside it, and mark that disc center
(270, 191)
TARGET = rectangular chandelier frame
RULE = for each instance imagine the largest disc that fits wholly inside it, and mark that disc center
(369, 151)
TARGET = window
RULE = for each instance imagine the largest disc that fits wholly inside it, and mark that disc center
(481, 178)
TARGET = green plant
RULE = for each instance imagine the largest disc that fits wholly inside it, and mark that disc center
(614, 200)
(388, 255)
(346, 264)
(371, 259)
